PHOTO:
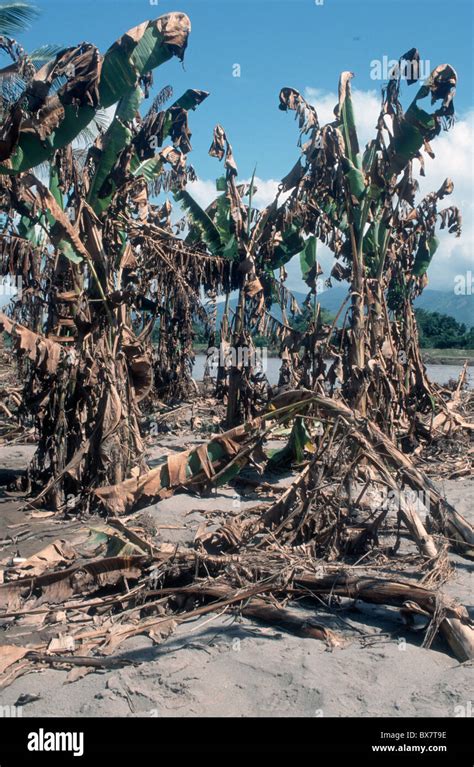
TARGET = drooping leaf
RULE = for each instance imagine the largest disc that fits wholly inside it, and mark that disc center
(201, 220)
(417, 125)
(308, 258)
(424, 255)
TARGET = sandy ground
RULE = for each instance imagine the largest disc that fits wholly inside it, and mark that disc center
(228, 666)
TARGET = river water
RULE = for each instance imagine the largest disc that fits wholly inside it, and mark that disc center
(439, 374)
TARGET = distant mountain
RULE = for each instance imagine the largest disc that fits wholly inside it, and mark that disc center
(444, 302)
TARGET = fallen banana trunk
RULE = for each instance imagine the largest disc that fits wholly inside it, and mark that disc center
(252, 605)
(215, 462)
(452, 618)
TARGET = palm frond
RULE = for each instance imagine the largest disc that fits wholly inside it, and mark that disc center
(43, 54)
(16, 17)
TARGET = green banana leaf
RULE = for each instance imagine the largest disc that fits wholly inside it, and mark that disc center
(373, 245)
(417, 124)
(27, 230)
(347, 124)
(201, 221)
(54, 187)
(308, 259)
(294, 450)
(219, 211)
(116, 138)
(149, 169)
(291, 244)
(425, 253)
(136, 54)
(231, 249)
(355, 178)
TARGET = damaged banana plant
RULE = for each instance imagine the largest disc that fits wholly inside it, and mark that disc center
(98, 263)
(363, 206)
(250, 239)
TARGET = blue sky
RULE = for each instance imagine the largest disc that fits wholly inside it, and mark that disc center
(305, 45)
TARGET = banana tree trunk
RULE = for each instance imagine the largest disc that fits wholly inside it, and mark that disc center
(88, 432)
(356, 390)
(236, 372)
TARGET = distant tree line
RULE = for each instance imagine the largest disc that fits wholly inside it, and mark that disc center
(440, 331)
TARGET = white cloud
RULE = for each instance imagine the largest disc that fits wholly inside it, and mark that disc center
(266, 191)
(204, 191)
(455, 160)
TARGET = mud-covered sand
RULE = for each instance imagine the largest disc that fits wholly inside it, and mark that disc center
(221, 665)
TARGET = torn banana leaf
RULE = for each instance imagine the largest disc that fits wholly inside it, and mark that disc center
(195, 465)
(418, 126)
(108, 78)
(56, 587)
(43, 352)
